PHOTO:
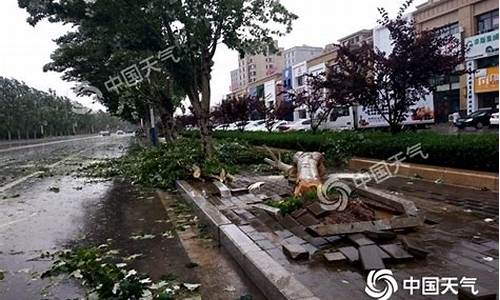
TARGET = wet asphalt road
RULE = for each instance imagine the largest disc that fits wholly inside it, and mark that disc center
(44, 207)
(34, 219)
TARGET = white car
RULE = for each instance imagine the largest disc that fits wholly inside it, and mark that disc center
(494, 119)
(278, 124)
(258, 125)
(300, 125)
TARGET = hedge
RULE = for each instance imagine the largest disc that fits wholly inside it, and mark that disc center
(466, 151)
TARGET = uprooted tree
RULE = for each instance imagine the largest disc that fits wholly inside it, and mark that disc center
(194, 27)
(392, 82)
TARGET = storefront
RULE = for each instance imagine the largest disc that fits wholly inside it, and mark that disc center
(482, 65)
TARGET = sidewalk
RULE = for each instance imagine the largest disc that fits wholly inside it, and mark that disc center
(454, 249)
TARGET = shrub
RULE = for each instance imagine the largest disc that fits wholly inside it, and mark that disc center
(161, 166)
(467, 151)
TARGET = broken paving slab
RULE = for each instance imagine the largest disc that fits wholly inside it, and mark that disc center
(307, 219)
(351, 253)
(370, 258)
(317, 210)
(413, 248)
(334, 257)
(379, 235)
(295, 251)
(360, 239)
(396, 251)
(224, 191)
(293, 240)
(269, 209)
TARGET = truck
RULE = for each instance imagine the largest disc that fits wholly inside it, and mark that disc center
(362, 117)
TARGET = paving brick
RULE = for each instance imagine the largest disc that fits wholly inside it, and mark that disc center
(312, 250)
(317, 210)
(293, 240)
(351, 253)
(413, 247)
(289, 222)
(360, 239)
(269, 209)
(370, 258)
(283, 234)
(396, 251)
(334, 257)
(379, 235)
(247, 228)
(318, 242)
(298, 213)
(334, 238)
(224, 191)
(307, 219)
(295, 251)
(265, 244)
(256, 236)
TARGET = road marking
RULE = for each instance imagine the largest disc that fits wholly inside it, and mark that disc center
(46, 144)
(18, 181)
(18, 220)
(23, 179)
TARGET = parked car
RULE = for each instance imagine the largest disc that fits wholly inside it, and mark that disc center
(494, 119)
(104, 133)
(477, 119)
(277, 125)
(258, 125)
(301, 125)
(120, 132)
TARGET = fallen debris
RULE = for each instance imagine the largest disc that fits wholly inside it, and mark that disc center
(370, 258)
(295, 251)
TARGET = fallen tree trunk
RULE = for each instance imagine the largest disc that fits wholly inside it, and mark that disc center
(310, 171)
(307, 171)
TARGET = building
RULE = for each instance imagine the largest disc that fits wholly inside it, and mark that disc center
(475, 23)
(358, 38)
(235, 80)
(299, 54)
(254, 67)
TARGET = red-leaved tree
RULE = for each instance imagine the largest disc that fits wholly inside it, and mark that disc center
(393, 82)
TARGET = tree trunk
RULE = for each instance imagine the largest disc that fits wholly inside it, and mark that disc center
(395, 128)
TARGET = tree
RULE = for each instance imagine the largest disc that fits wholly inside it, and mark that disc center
(316, 100)
(194, 27)
(237, 110)
(30, 113)
(393, 82)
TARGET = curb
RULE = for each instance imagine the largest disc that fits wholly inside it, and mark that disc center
(268, 275)
(459, 177)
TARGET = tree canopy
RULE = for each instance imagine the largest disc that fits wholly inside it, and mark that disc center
(109, 35)
(30, 113)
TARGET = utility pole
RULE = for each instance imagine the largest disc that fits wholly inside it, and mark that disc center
(153, 136)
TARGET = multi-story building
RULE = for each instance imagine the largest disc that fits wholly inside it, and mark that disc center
(235, 80)
(475, 23)
(255, 67)
(299, 54)
(358, 38)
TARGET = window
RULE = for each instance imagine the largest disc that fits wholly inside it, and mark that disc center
(486, 62)
(449, 29)
(302, 114)
(300, 80)
(487, 22)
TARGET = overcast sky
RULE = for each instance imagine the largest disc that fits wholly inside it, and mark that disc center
(24, 49)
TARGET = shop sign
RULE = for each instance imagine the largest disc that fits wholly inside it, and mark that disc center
(486, 80)
(482, 45)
